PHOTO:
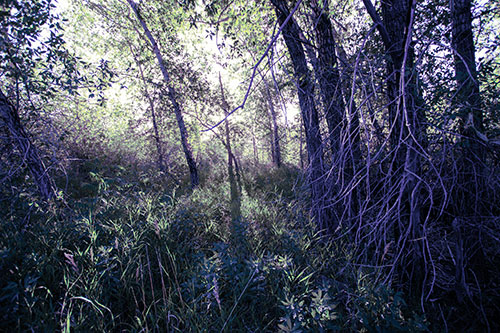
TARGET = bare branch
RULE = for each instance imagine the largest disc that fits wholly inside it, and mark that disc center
(254, 68)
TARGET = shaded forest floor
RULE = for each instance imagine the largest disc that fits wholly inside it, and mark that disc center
(123, 253)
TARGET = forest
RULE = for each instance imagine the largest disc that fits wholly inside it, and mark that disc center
(249, 165)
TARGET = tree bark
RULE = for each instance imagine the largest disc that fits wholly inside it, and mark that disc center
(322, 213)
(352, 161)
(301, 147)
(172, 95)
(328, 75)
(344, 144)
(468, 100)
(465, 65)
(9, 115)
(393, 29)
(397, 16)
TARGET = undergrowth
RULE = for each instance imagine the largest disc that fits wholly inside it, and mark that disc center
(124, 254)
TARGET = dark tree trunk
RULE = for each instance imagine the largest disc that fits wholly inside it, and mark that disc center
(328, 76)
(393, 30)
(10, 118)
(301, 147)
(397, 17)
(465, 65)
(322, 213)
(172, 95)
(468, 100)
(396, 32)
(352, 161)
(343, 126)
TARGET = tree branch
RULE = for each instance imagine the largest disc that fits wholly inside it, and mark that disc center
(378, 22)
(254, 71)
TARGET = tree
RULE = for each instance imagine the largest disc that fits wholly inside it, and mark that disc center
(275, 138)
(468, 100)
(328, 75)
(466, 73)
(322, 211)
(172, 95)
(20, 138)
(404, 174)
(32, 67)
(156, 136)
(231, 160)
(273, 122)
(343, 123)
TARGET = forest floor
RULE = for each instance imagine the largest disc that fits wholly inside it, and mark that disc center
(121, 253)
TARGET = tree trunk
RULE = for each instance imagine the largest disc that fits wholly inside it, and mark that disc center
(468, 100)
(393, 30)
(352, 151)
(275, 139)
(276, 150)
(235, 193)
(404, 170)
(344, 144)
(398, 19)
(172, 95)
(323, 214)
(394, 14)
(352, 111)
(465, 66)
(301, 147)
(10, 117)
(156, 136)
(328, 76)
(254, 144)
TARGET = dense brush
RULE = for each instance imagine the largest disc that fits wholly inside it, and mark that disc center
(135, 258)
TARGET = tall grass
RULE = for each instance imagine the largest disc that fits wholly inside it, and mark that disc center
(121, 254)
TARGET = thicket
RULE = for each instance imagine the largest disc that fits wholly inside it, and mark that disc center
(126, 251)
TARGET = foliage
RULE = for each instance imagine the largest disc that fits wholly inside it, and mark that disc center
(126, 255)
